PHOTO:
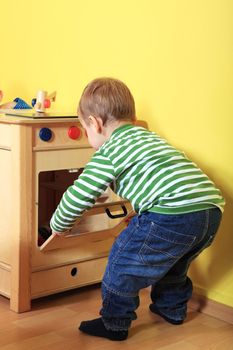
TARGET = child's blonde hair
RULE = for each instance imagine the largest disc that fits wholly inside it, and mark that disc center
(108, 99)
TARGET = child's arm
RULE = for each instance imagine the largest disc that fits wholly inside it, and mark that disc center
(82, 195)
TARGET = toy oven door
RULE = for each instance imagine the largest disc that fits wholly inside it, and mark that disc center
(107, 218)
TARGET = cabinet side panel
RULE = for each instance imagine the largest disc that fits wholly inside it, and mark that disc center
(6, 214)
(5, 136)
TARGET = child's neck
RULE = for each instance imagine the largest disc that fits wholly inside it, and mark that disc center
(113, 126)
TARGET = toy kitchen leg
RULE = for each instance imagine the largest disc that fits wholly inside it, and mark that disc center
(16, 210)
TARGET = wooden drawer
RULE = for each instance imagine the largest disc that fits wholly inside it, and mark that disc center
(67, 277)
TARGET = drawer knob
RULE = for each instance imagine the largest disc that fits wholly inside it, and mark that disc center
(45, 134)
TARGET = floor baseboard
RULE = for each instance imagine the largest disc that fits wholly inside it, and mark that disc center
(212, 308)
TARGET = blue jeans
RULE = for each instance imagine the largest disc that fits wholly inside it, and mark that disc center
(155, 250)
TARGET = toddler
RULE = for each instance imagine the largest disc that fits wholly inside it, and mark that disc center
(178, 210)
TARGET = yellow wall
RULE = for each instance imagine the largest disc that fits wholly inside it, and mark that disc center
(175, 55)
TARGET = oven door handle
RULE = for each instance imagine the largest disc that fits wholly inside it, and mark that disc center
(122, 215)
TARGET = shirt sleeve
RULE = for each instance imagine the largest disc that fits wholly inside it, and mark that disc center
(81, 196)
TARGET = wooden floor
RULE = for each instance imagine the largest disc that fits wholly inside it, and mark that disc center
(53, 325)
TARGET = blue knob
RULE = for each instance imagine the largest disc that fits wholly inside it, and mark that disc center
(33, 102)
(45, 134)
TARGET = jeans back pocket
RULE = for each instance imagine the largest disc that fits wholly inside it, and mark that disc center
(163, 247)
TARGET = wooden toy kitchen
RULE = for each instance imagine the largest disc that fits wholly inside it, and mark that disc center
(40, 156)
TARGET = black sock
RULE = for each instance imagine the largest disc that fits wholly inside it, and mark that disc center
(154, 309)
(96, 327)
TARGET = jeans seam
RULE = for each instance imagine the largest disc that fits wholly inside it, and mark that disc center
(206, 226)
(122, 246)
(119, 293)
(172, 258)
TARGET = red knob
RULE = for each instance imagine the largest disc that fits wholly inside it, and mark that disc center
(74, 132)
(47, 103)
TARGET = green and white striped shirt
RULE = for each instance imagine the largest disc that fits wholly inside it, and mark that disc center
(144, 169)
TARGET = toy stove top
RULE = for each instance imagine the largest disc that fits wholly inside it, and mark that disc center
(37, 115)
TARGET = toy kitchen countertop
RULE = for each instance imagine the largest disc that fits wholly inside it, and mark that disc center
(39, 158)
(25, 116)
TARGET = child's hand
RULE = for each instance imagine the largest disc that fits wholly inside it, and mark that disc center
(65, 233)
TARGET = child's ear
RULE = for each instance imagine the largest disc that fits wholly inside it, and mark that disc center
(96, 123)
